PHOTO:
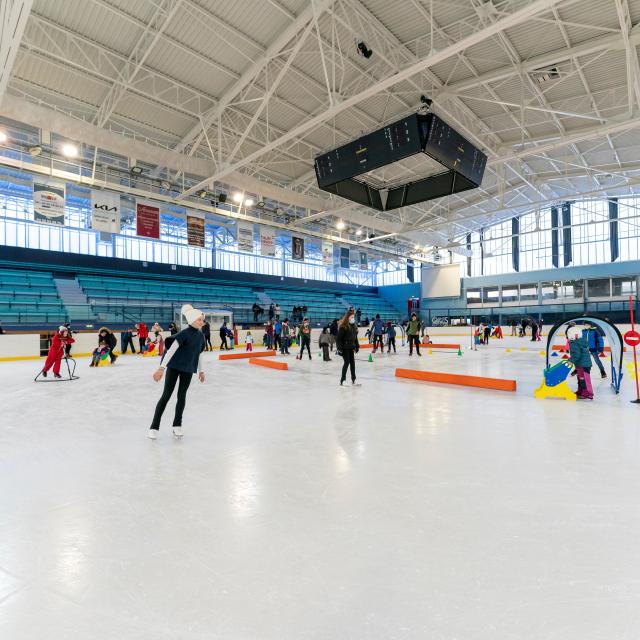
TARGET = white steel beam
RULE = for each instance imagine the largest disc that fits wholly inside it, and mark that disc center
(482, 34)
(143, 47)
(13, 19)
(633, 68)
(195, 134)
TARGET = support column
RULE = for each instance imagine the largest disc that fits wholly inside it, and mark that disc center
(614, 240)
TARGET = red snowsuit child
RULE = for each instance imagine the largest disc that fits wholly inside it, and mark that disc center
(56, 351)
(143, 334)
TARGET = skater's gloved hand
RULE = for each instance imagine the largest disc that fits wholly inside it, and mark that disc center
(201, 376)
(157, 376)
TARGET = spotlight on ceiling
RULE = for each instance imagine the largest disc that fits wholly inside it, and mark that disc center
(222, 198)
(340, 225)
(359, 232)
(249, 202)
(3, 136)
(35, 150)
(363, 50)
(261, 204)
(237, 197)
(202, 193)
(165, 184)
(69, 150)
(136, 170)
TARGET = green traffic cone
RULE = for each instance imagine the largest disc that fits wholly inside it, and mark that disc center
(370, 357)
(459, 351)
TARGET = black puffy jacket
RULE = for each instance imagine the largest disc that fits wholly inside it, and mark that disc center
(348, 337)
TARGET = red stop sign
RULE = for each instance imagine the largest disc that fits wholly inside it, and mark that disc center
(632, 338)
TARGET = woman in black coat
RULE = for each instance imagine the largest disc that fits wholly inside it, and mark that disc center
(106, 335)
(348, 345)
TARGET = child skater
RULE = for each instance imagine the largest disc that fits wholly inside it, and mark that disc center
(581, 358)
(101, 350)
(323, 342)
(391, 337)
(54, 358)
(181, 361)
(249, 341)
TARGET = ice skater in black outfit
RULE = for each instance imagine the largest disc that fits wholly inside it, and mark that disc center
(182, 360)
(348, 345)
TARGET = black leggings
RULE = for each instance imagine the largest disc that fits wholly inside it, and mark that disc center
(415, 339)
(305, 343)
(171, 377)
(377, 341)
(223, 343)
(392, 343)
(349, 357)
(207, 343)
(143, 342)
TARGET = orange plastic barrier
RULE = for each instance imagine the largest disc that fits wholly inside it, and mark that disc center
(455, 378)
(271, 364)
(246, 354)
(440, 346)
(561, 347)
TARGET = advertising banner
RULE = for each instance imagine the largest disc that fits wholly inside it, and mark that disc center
(147, 220)
(105, 211)
(344, 257)
(297, 248)
(245, 236)
(267, 242)
(327, 253)
(48, 203)
(364, 262)
(195, 228)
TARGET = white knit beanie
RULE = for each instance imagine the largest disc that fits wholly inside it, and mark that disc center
(190, 313)
(62, 328)
(575, 333)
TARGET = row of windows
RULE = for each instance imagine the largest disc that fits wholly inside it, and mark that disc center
(590, 239)
(557, 291)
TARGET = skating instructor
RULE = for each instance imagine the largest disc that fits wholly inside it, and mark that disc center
(182, 360)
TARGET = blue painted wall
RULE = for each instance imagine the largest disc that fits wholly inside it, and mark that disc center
(398, 294)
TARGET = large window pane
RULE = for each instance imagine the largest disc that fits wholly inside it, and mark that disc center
(510, 294)
(573, 289)
(528, 292)
(491, 295)
(474, 296)
(624, 286)
(600, 288)
(551, 291)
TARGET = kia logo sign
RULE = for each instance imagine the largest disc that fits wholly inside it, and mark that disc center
(104, 207)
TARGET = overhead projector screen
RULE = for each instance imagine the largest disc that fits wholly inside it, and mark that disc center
(441, 282)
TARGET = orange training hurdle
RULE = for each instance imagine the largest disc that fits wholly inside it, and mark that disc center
(271, 364)
(440, 346)
(455, 378)
(246, 354)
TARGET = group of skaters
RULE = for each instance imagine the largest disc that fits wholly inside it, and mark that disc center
(519, 328)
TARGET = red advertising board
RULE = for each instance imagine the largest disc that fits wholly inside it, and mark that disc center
(147, 220)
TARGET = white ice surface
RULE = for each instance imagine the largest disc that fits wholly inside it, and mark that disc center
(294, 509)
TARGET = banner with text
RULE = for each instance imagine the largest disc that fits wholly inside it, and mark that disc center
(148, 220)
(105, 211)
(364, 262)
(297, 248)
(267, 242)
(327, 253)
(245, 236)
(195, 228)
(48, 203)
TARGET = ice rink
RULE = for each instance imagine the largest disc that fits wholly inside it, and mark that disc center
(293, 508)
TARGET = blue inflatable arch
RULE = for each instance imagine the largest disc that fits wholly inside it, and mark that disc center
(612, 334)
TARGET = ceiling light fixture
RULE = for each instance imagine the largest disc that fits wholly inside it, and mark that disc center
(69, 150)
(3, 136)
(359, 232)
(340, 225)
(35, 150)
(237, 197)
(202, 193)
(249, 202)
(165, 184)
(136, 170)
